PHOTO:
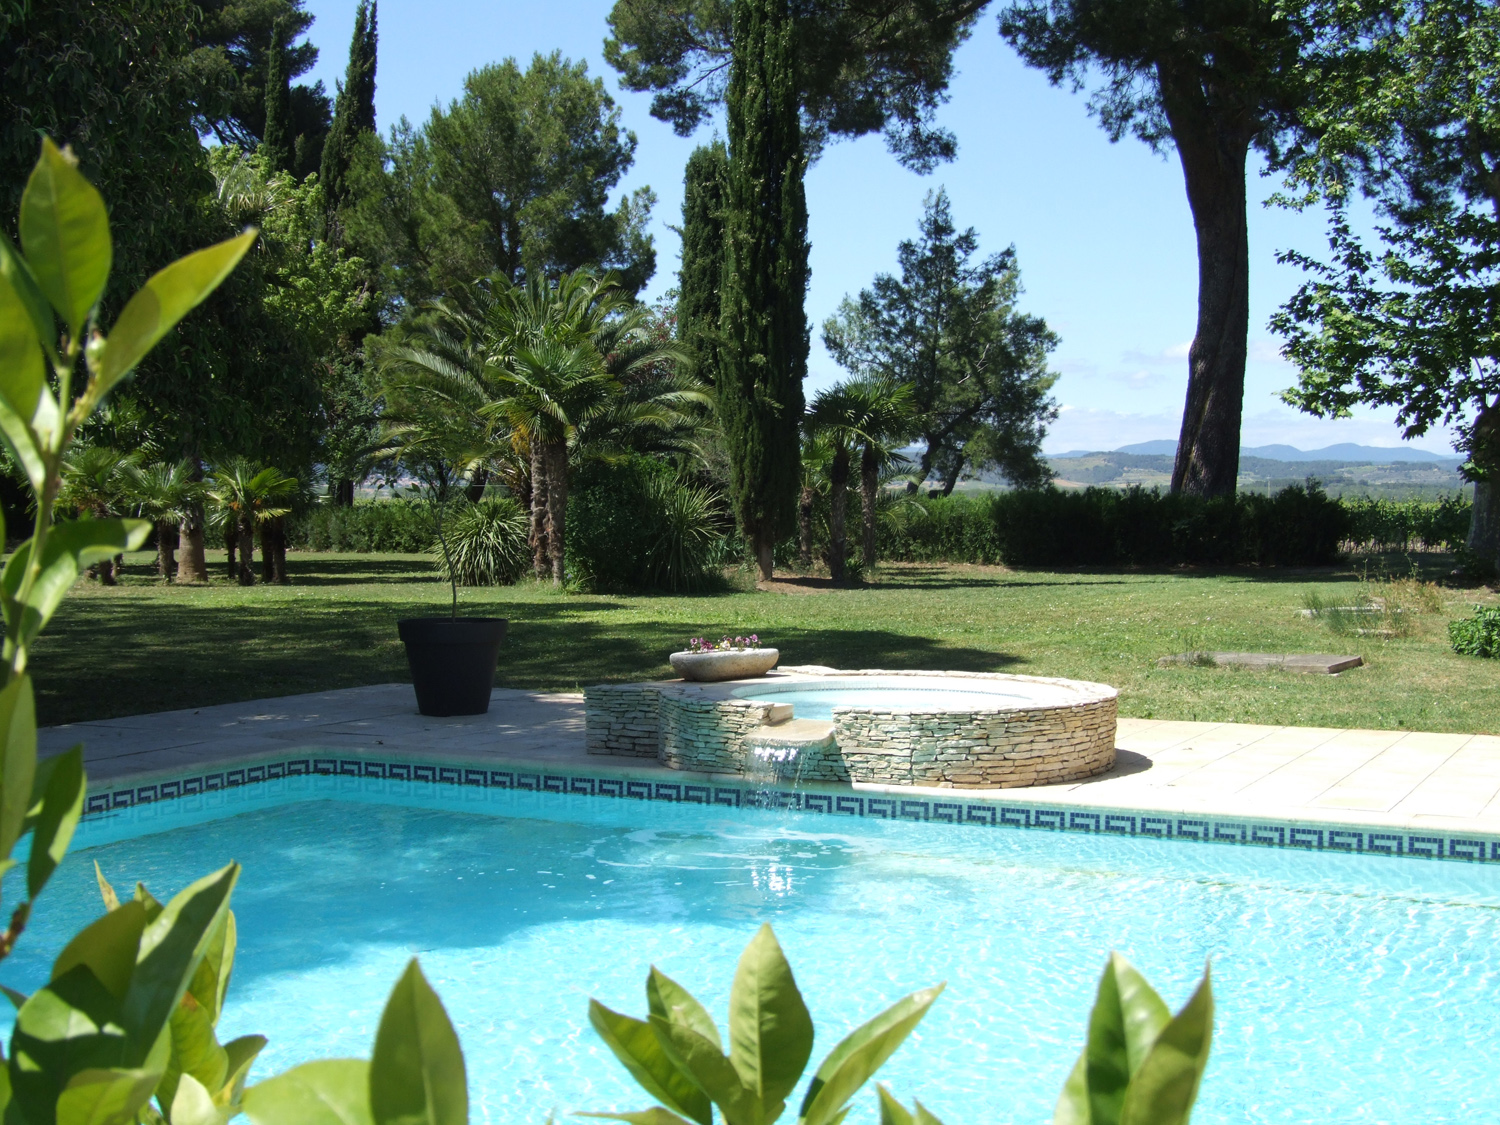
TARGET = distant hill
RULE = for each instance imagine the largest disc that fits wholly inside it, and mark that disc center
(1346, 452)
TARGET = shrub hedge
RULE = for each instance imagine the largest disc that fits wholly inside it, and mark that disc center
(1298, 526)
(1400, 525)
(1478, 635)
(397, 526)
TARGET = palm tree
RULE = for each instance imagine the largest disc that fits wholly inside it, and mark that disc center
(817, 458)
(516, 380)
(166, 495)
(249, 497)
(863, 416)
(94, 479)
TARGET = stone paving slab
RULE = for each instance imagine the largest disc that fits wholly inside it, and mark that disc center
(1317, 663)
(1378, 778)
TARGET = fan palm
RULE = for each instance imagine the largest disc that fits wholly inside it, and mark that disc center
(859, 416)
(248, 497)
(165, 494)
(93, 481)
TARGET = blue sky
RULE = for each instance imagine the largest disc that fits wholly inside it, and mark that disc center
(1102, 231)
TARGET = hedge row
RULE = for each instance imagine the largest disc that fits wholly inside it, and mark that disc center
(1298, 526)
(386, 526)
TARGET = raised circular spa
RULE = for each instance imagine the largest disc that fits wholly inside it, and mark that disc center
(943, 729)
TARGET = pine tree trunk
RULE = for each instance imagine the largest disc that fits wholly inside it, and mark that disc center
(166, 550)
(1483, 545)
(1213, 149)
(193, 566)
(804, 527)
(557, 506)
(838, 504)
(538, 531)
(869, 492)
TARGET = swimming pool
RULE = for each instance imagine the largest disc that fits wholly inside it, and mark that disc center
(1351, 989)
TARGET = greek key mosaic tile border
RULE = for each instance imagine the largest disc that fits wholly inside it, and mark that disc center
(1349, 839)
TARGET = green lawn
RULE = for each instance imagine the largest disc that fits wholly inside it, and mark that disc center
(143, 647)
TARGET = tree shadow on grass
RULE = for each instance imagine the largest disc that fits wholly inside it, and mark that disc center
(166, 656)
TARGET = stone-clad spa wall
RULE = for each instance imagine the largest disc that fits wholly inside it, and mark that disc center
(688, 729)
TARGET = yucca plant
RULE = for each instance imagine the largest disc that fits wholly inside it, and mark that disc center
(487, 544)
(690, 547)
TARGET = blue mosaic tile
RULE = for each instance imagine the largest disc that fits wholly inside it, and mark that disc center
(201, 787)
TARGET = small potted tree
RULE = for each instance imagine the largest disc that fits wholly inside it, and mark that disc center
(452, 658)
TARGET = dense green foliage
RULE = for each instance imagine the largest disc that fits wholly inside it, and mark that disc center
(1478, 635)
(1299, 526)
(1386, 525)
(868, 66)
(388, 526)
(949, 328)
(512, 178)
(633, 525)
(764, 356)
(700, 279)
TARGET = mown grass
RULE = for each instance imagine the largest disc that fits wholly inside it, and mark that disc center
(143, 647)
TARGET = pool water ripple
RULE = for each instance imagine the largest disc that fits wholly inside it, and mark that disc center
(1350, 989)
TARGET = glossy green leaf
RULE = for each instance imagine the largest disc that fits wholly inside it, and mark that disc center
(66, 1027)
(1126, 1018)
(71, 546)
(170, 950)
(712, 1071)
(62, 805)
(240, 1053)
(417, 1072)
(18, 757)
(1073, 1103)
(327, 1092)
(862, 1052)
(668, 999)
(15, 270)
(211, 979)
(22, 379)
(770, 1030)
(166, 298)
(192, 1105)
(106, 1096)
(1163, 1090)
(108, 946)
(656, 1115)
(195, 1053)
(65, 234)
(892, 1112)
(637, 1047)
(106, 891)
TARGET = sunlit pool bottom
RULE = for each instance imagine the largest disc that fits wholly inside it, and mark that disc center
(1350, 989)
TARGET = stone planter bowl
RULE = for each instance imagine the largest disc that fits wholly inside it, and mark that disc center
(729, 664)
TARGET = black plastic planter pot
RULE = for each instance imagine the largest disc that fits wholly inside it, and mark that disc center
(452, 661)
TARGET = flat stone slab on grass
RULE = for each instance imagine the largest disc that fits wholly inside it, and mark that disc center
(1320, 663)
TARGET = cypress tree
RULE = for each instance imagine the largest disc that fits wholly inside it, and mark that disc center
(698, 282)
(764, 358)
(276, 143)
(353, 110)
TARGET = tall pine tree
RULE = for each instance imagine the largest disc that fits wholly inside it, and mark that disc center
(698, 282)
(276, 143)
(764, 358)
(353, 112)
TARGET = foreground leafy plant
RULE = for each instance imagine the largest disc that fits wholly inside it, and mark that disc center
(678, 1058)
(1140, 1064)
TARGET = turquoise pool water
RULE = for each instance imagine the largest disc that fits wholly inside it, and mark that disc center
(1350, 989)
(813, 700)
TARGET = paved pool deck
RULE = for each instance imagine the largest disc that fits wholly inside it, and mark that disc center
(1385, 779)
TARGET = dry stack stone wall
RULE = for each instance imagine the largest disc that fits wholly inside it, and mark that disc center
(688, 729)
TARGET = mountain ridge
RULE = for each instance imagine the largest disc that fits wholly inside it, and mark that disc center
(1344, 451)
